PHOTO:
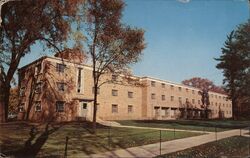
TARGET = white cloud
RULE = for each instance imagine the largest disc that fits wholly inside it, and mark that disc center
(184, 1)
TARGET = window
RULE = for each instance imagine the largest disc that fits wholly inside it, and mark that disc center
(22, 91)
(172, 87)
(153, 83)
(61, 86)
(38, 87)
(130, 108)
(187, 100)
(98, 90)
(21, 107)
(193, 101)
(172, 98)
(84, 105)
(179, 89)
(219, 97)
(114, 77)
(60, 67)
(199, 102)
(215, 104)
(114, 108)
(153, 96)
(180, 100)
(59, 106)
(163, 85)
(212, 103)
(130, 94)
(38, 106)
(38, 69)
(114, 92)
(79, 80)
(215, 96)
(163, 97)
(187, 90)
(192, 91)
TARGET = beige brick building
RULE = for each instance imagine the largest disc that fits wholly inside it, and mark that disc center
(58, 89)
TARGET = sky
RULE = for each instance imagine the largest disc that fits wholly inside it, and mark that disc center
(183, 36)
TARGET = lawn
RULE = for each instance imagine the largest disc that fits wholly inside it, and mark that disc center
(199, 125)
(20, 139)
(237, 146)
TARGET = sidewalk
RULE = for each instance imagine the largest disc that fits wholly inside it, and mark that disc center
(152, 150)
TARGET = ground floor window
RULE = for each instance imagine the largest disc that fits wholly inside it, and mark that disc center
(114, 108)
(59, 106)
(38, 106)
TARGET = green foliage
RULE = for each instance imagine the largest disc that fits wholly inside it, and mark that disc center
(235, 64)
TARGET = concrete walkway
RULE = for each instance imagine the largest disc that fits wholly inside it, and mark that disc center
(152, 150)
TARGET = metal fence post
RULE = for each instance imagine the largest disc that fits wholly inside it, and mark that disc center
(66, 147)
(160, 142)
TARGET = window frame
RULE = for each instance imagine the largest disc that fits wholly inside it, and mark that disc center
(58, 104)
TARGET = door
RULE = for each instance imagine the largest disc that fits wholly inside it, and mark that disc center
(83, 109)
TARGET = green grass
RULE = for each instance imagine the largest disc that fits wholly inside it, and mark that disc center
(14, 136)
(237, 146)
(199, 125)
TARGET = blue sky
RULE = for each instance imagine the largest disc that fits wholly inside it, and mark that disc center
(182, 36)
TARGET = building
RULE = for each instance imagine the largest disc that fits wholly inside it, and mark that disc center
(59, 89)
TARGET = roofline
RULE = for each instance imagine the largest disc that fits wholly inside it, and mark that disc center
(178, 84)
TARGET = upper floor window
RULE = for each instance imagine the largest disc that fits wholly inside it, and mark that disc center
(60, 67)
(187, 100)
(192, 91)
(193, 101)
(60, 106)
(179, 89)
(22, 91)
(163, 97)
(180, 100)
(114, 108)
(187, 90)
(153, 83)
(114, 92)
(172, 98)
(163, 85)
(172, 87)
(38, 106)
(38, 87)
(38, 69)
(153, 96)
(61, 86)
(130, 94)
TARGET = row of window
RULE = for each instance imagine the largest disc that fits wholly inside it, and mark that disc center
(115, 93)
(37, 106)
(115, 108)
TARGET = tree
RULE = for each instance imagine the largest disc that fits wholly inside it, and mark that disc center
(13, 101)
(205, 85)
(235, 63)
(111, 45)
(25, 23)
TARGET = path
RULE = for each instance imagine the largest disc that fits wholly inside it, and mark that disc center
(152, 150)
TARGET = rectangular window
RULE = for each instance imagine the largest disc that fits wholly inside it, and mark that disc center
(84, 105)
(98, 90)
(153, 96)
(172, 98)
(163, 97)
(38, 88)
(199, 102)
(21, 107)
(38, 69)
(187, 90)
(163, 85)
(22, 91)
(130, 94)
(192, 91)
(179, 89)
(193, 101)
(187, 100)
(79, 80)
(114, 108)
(130, 108)
(60, 67)
(180, 100)
(59, 106)
(172, 87)
(61, 86)
(114, 92)
(153, 83)
(38, 106)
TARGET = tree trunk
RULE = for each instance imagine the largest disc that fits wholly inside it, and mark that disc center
(4, 102)
(95, 109)
(235, 109)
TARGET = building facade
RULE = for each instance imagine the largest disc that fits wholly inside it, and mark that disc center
(59, 89)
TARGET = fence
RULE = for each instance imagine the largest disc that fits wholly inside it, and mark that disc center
(114, 138)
